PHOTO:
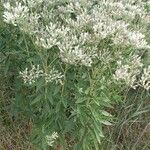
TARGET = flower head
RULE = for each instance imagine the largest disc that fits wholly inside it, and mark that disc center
(51, 138)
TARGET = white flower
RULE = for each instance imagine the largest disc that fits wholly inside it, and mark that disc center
(30, 76)
(137, 39)
(73, 26)
(50, 35)
(132, 73)
(46, 43)
(145, 78)
(14, 14)
(53, 75)
(82, 20)
(50, 139)
(73, 51)
(32, 3)
(128, 70)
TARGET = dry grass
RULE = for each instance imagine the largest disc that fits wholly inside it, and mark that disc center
(132, 128)
(14, 132)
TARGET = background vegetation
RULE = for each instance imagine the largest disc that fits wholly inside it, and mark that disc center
(21, 122)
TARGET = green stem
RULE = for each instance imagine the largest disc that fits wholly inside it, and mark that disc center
(26, 45)
(63, 87)
(46, 71)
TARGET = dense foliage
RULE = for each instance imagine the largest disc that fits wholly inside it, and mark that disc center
(70, 62)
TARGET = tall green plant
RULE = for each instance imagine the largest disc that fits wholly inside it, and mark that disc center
(77, 58)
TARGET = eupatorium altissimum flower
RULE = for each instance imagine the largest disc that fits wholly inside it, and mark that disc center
(72, 25)
(74, 51)
(53, 75)
(14, 14)
(50, 139)
(145, 78)
(132, 73)
(30, 76)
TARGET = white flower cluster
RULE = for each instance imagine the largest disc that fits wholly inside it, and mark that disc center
(32, 3)
(53, 75)
(50, 139)
(73, 50)
(49, 35)
(74, 26)
(118, 30)
(145, 78)
(128, 10)
(15, 14)
(20, 15)
(30, 76)
(130, 71)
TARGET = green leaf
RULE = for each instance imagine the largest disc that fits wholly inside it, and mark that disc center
(97, 135)
(80, 100)
(56, 90)
(139, 113)
(105, 113)
(97, 130)
(50, 98)
(58, 106)
(39, 85)
(7, 65)
(105, 122)
(37, 99)
(64, 102)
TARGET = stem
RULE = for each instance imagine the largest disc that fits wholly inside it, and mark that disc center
(65, 71)
(26, 45)
(38, 52)
(46, 71)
